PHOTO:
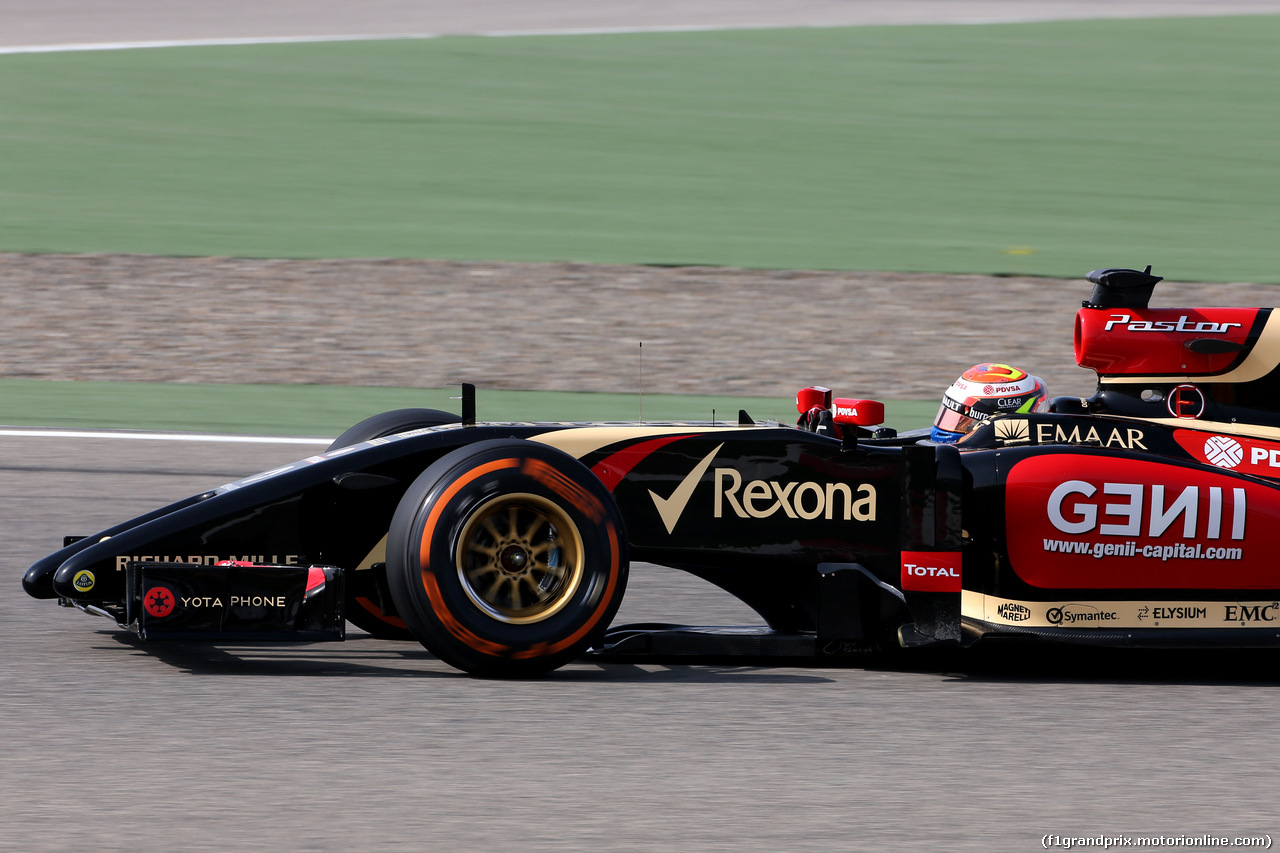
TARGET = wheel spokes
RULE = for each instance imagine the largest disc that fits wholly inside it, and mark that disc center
(520, 558)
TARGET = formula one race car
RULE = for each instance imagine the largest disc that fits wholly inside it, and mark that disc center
(1145, 515)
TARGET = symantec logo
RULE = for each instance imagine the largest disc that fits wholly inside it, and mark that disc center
(1102, 522)
(931, 571)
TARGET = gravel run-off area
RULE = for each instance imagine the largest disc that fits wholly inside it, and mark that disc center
(575, 327)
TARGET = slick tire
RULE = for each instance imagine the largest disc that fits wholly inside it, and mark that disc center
(365, 611)
(507, 558)
(390, 423)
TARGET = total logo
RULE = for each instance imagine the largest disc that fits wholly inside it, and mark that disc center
(1072, 614)
(931, 571)
(1182, 324)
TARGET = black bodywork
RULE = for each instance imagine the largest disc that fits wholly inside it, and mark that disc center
(1101, 521)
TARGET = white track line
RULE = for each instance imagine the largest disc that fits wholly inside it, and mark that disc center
(223, 42)
(583, 31)
(161, 436)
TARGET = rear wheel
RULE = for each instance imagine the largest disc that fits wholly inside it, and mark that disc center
(369, 606)
(507, 558)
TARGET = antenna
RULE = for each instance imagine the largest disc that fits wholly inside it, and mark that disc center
(641, 382)
(468, 399)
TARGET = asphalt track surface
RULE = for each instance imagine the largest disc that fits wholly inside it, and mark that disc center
(374, 745)
(371, 745)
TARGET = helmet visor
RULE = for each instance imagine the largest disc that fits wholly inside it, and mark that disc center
(949, 420)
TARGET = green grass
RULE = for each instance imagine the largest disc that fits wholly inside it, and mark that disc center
(1045, 149)
(327, 410)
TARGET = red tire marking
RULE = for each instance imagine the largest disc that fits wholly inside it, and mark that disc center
(429, 583)
(556, 480)
(375, 610)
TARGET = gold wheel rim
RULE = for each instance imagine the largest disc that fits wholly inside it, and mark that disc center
(520, 558)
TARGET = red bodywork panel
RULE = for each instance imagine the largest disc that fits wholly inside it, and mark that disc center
(1080, 521)
(1153, 341)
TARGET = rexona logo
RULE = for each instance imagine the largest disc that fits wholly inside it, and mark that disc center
(804, 501)
(1204, 327)
(931, 571)
(809, 500)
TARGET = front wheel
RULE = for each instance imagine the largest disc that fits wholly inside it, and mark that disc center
(507, 558)
(367, 607)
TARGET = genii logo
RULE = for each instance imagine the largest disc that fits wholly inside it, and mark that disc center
(1108, 522)
(931, 571)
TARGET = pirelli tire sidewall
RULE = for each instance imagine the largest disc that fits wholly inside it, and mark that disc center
(448, 504)
(362, 610)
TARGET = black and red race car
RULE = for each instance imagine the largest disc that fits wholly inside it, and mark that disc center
(1145, 515)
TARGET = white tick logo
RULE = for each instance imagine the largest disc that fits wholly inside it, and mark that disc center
(671, 508)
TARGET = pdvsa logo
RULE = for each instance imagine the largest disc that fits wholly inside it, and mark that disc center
(1223, 451)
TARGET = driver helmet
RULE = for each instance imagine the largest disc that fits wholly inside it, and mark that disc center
(982, 391)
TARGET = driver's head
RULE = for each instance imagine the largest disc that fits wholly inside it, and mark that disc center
(982, 391)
